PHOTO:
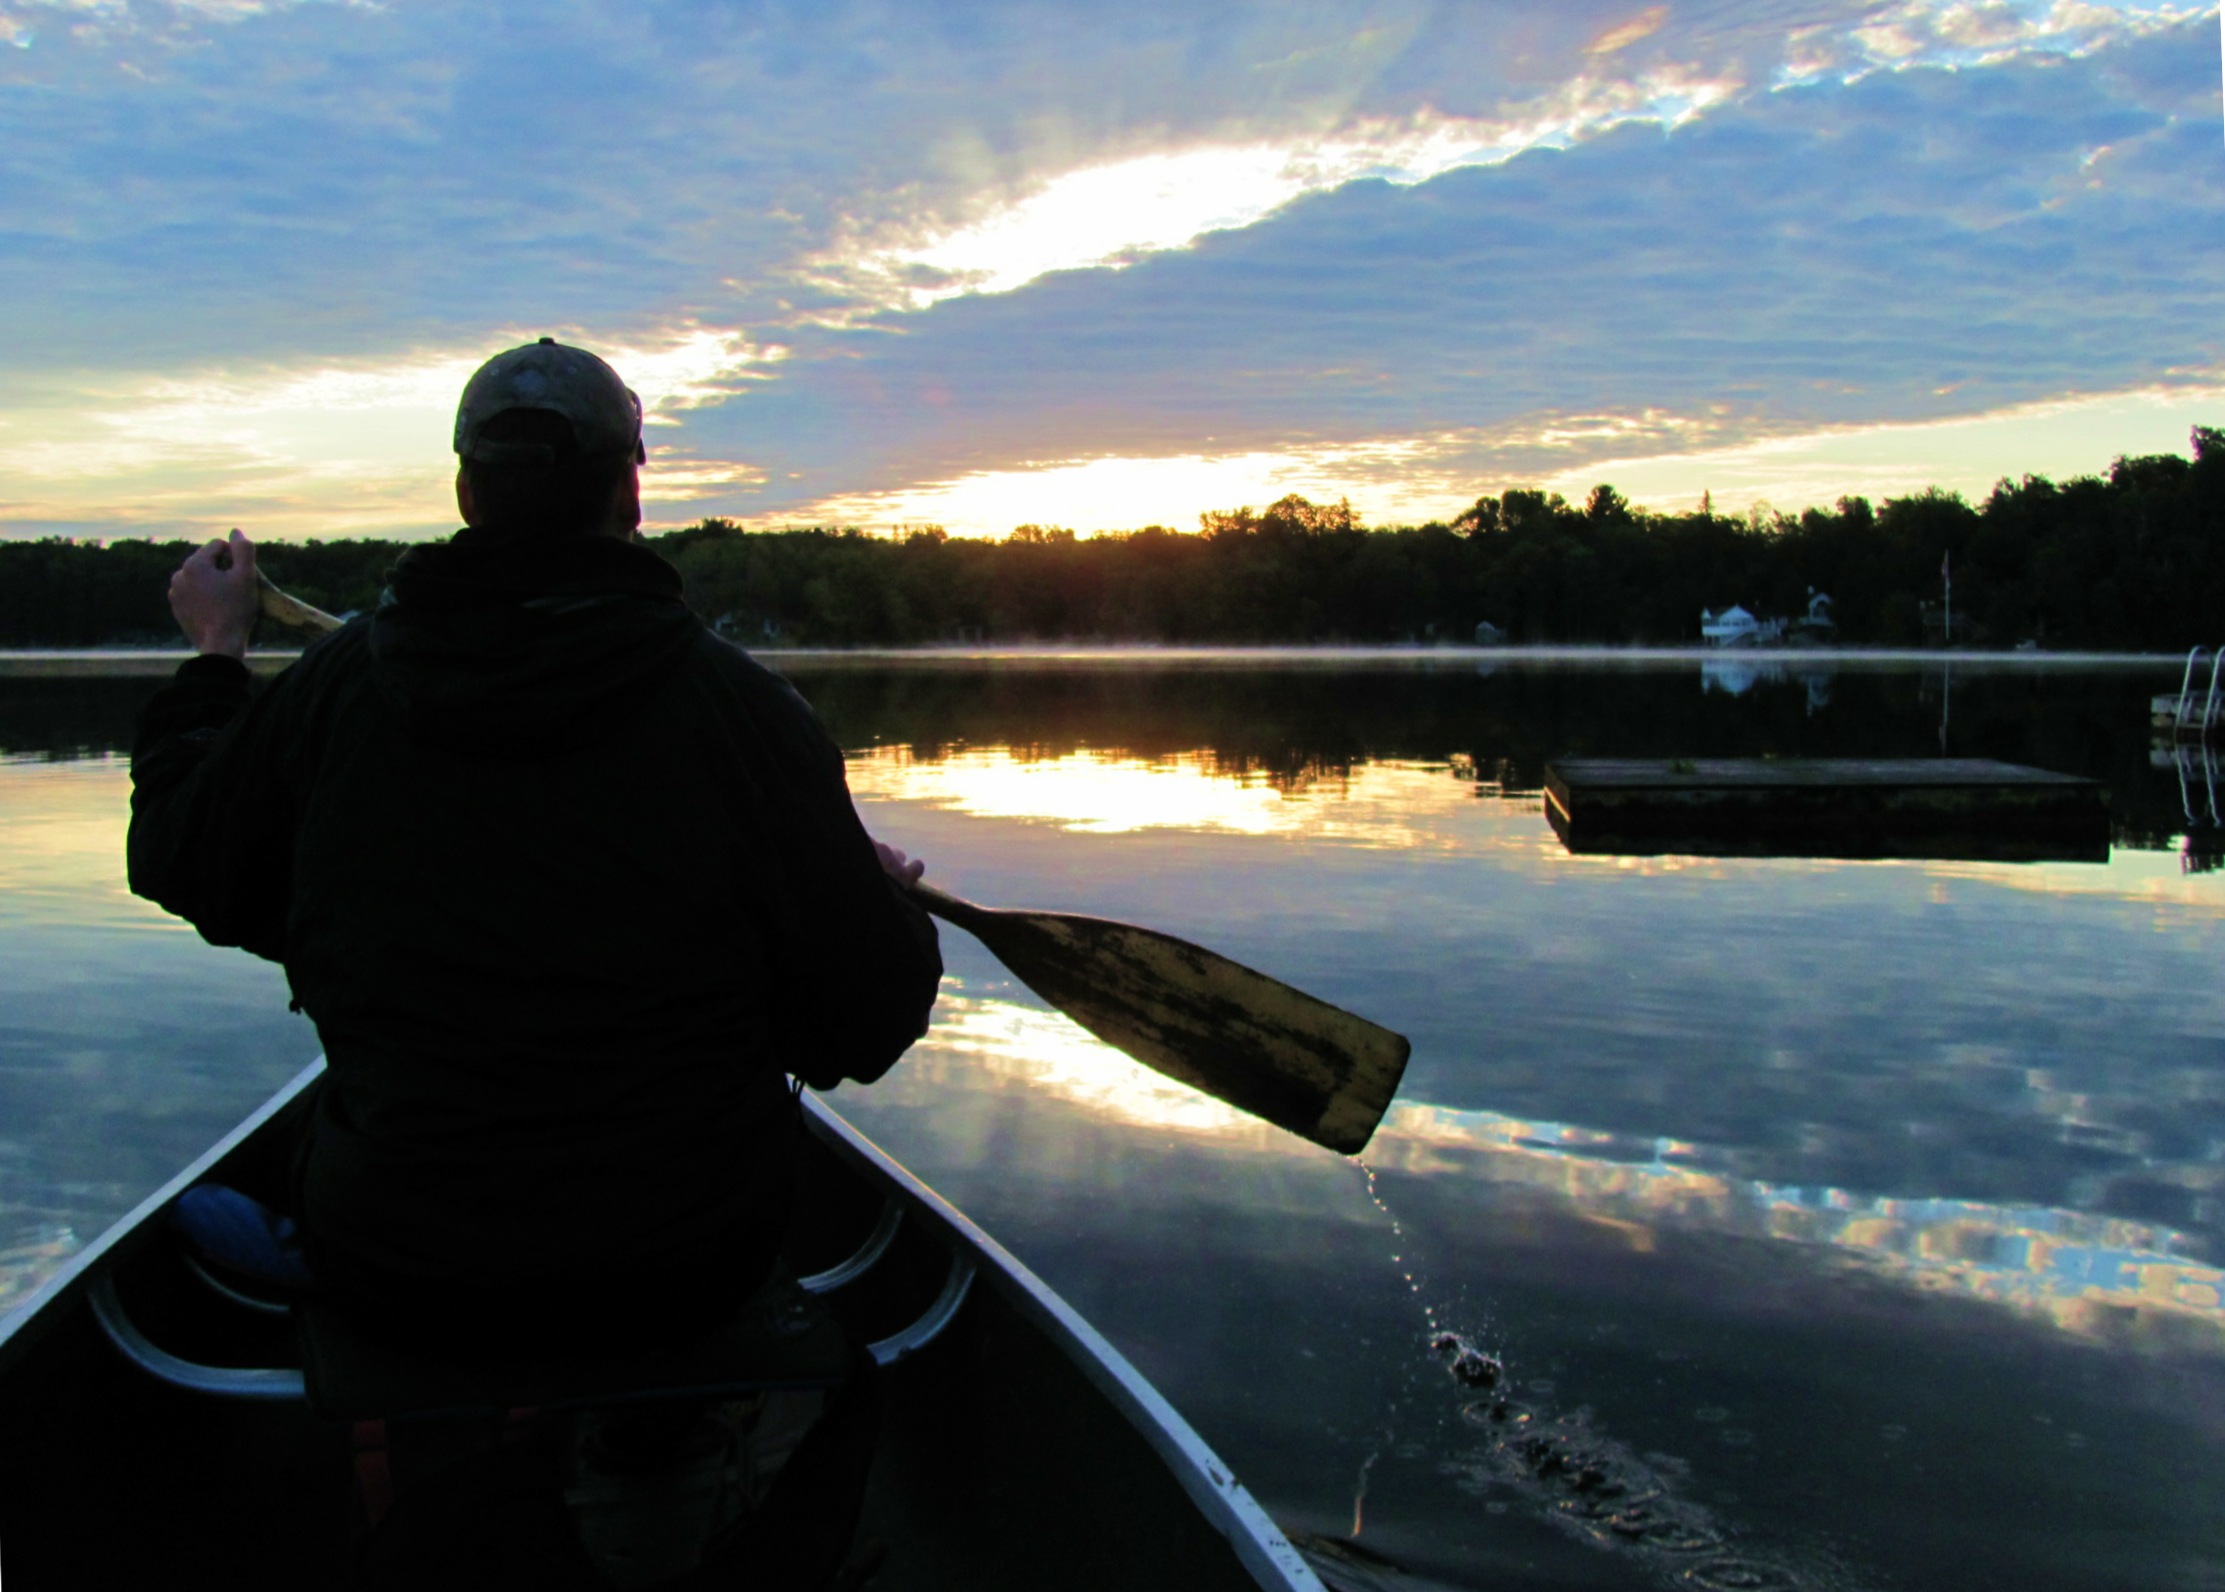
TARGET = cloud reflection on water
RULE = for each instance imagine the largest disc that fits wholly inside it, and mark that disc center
(2098, 1278)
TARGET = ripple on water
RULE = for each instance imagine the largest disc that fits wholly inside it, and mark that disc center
(1732, 1573)
(1588, 1484)
(1601, 1492)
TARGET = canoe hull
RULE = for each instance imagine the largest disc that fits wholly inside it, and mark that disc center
(1018, 1449)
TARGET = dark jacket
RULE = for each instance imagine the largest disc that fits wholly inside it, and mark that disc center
(567, 883)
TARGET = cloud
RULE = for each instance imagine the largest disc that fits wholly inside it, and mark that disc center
(1021, 236)
(2060, 438)
(1106, 215)
(333, 449)
(1914, 246)
(109, 22)
(345, 178)
(1109, 215)
(1965, 33)
(1624, 34)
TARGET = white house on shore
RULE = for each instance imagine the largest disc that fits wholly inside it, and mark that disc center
(1735, 627)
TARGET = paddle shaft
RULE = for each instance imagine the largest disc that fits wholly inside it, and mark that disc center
(1191, 1014)
(291, 610)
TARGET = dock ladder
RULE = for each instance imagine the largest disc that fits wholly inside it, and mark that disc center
(2197, 768)
(2195, 711)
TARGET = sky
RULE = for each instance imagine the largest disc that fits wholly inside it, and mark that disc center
(984, 264)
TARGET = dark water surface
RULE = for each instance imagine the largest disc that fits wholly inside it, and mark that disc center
(1783, 1223)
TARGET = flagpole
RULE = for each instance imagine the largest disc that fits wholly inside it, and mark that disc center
(1947, 603)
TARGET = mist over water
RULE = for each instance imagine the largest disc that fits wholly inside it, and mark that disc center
(1823, 1224)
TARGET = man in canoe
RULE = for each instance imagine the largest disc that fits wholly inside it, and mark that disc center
(570, 887)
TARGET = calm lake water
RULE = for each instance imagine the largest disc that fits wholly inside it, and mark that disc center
(1837, 1225)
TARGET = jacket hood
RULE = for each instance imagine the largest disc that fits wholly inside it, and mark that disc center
(526, 645)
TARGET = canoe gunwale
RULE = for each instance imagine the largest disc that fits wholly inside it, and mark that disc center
(23, 1326)
(1212, 1487)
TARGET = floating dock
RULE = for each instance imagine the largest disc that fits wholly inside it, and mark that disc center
(1964, 808)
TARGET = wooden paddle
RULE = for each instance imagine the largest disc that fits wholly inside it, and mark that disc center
(1194, 1015)
(1248, 1040)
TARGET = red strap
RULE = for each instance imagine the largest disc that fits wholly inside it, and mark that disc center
(374, 1474)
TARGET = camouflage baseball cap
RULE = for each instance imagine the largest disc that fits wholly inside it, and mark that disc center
(604, 413)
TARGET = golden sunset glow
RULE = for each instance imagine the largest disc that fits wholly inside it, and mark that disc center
(324, 449)
(1393, 478)
(1198, 469)
(62, 844)
(1087, 791)
(1395, 806)
(2155, 876)
(2078, 434)
(1026, 1046)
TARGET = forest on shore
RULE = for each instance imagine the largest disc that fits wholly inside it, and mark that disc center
(2134, 561)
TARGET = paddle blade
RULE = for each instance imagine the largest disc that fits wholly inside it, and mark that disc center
(1216, 1025)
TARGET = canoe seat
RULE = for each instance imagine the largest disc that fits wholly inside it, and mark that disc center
(783, 1339)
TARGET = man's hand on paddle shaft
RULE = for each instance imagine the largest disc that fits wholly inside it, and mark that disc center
(903, 869)
(215, 598)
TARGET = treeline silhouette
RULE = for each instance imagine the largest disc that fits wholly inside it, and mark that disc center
(2133, 560)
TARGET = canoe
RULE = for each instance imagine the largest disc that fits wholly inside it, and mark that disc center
(1018, 1448)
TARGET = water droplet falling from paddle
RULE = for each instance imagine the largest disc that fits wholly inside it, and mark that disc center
(1408, 1273)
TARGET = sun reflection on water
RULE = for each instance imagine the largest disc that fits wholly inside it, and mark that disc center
(1387, 805)
(62, 845)
(1395, 805)
(1092, 792)
(1026, 1046)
